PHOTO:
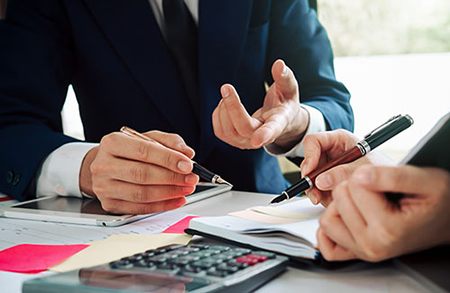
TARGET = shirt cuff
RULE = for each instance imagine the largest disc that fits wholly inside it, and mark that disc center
(60, 172)
(316, 124)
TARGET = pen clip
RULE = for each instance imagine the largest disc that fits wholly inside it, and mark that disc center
(391, 120)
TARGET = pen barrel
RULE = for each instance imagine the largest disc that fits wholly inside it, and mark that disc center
(349, 156)
(204, 173)
(389, 131)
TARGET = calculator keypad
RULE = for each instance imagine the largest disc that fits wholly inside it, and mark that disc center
(194, 260)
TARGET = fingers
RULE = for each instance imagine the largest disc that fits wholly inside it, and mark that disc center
(348, 211)
(284, 79)
(332, 225)
(223, 128)
(373, 205)
(140, 193)
(330, 250)
(271, 129)
(144, 174)
(171, 141)
(319, 196)
(244, 124)
(328, 180)
(121, 145)
(324, 146)
(135, 176)
(404, 179)
(231, 122)
(125, 207)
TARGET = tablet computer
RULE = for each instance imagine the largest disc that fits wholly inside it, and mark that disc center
(88, 211)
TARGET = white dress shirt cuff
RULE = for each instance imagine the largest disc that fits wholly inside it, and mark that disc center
(60, 172)
(316, 124)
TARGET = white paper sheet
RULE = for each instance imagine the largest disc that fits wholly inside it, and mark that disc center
(15, 231)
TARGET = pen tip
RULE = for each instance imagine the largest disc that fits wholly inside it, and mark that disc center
(222, 181)
(277, 199)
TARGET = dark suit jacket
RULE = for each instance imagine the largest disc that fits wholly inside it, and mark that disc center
(113, 54)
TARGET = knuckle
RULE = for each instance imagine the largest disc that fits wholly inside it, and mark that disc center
(138, 175)
(143, 151)
(107, 206)
(342, 132)
(95, 168)
(138, 194)
(173, 178)
(109, 139)
(325, 222)
(377, 249)
(169, 160)
(98, 188)
(176, 138)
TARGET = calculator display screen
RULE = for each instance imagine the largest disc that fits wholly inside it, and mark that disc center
(139, 281)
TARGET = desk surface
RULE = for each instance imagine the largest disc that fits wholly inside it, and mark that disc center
(360, 278)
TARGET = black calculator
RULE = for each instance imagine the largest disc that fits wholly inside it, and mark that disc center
(175, 268)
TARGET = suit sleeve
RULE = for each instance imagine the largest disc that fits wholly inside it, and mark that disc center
(297, 37)
(35, 71)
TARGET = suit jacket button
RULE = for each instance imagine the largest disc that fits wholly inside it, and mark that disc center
(16, 180)
(9, 177)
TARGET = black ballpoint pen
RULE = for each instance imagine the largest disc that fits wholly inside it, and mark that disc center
(378, 136)
(201, 171)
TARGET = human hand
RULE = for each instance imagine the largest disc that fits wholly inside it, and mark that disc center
(280, 120)
(133, 176)
(319, 149)
(361, 223)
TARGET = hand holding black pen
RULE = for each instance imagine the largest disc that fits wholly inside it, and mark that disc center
(378, 136)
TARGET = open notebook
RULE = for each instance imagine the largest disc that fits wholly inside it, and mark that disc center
(289, 229)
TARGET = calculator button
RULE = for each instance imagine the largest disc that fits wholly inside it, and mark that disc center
(217, 273)
(123, 264)
(158, 259)
(220, 247)
(225, 267)
(247, 260)
(200, 246)
(204, 264)
(259, 258)
(269, 255)
(239, 265)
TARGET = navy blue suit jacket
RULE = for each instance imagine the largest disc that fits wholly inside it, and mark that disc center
(113, 54)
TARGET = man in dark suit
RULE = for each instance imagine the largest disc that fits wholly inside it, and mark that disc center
(158, 65)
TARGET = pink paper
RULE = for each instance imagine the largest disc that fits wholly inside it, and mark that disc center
(35, 258)
(179, 226)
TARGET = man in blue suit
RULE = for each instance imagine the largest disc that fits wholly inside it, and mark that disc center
(158, 66)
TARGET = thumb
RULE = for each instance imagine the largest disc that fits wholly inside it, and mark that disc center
(404, 179)
(331, 178)
(284, 80)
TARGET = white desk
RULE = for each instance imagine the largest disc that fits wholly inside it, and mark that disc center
(362, 278)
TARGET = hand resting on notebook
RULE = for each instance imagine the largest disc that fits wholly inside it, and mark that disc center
(361, 223)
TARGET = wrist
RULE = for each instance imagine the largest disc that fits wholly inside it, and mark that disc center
(295, 130)
(85, 180)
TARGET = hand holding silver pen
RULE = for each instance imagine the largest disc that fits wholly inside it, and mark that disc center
(136, 176)
(201, 171)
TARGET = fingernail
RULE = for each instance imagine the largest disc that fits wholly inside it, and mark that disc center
(363, 175)
(225, 91)
(284, 73)
(184, 166)
(324, 181)
(191, 179)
